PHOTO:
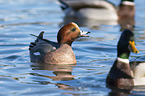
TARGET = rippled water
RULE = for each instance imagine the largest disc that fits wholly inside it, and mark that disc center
(95, 55)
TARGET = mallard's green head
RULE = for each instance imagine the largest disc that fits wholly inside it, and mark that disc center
(126, 44)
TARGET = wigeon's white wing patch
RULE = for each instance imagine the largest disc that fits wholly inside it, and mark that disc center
(75, 24)
(54, 48)
(36, 53)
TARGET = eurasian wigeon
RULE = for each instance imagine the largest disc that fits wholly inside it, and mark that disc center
(45, 51)
(120, 74)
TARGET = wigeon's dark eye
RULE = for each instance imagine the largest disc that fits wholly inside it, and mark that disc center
(73, 29)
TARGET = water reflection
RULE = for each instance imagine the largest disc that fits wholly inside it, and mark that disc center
(88, 22)
(61, 72)
(125, 23)
(120, 92)
(136, 90)
(139, 90)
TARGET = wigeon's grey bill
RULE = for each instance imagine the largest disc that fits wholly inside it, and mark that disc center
(83, 34)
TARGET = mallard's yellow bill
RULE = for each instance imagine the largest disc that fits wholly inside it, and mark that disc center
(132, 47)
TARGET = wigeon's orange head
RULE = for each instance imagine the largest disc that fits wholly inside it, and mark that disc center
(68, 33)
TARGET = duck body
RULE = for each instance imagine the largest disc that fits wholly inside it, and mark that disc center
(120, 74)
(94, 9)
(126, 9)
(138, 69)
(63, 55)
(126, 14)
(102, 11)
(52, 53)
(45, 51)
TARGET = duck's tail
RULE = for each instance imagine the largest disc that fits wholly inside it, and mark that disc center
(40, 35)
(63, 5)
(39, 39)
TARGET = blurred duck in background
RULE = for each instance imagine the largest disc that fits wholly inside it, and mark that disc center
(98, 12)
(94, 9)
(90, 12)
(126, 14)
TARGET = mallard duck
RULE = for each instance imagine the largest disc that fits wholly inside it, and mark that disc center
(138, 68)
(126, 14)
(94, 9)
(126, 9)
(98, 9)
(120, 74)
(45, 51)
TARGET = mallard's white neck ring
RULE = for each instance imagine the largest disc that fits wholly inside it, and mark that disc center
(123, 60)
(128, 3)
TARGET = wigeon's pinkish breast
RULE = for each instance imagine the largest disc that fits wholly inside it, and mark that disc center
(46, 51)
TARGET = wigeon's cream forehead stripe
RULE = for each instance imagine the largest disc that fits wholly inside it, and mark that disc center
(75, 24)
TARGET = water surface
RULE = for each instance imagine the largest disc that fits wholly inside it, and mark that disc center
(95, 55)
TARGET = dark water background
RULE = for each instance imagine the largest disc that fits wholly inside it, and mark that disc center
(95, 55)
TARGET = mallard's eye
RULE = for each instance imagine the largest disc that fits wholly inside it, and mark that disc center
(73, 29)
